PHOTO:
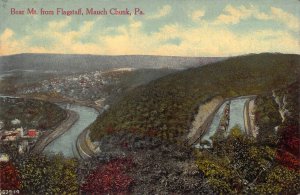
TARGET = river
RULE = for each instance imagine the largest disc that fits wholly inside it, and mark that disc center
(237, 113)
(66, 143)
(236, 118)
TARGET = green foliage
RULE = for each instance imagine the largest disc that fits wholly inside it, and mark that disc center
(10, 148)
(236, 132)
(219, 136)
(267, 116)
(242, 165)
(288, 152)
(48, 175)
(32, 113)
(218, 174)
(166, 104)
(279, 180)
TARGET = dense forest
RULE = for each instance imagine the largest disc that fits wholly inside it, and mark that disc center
(164, 107)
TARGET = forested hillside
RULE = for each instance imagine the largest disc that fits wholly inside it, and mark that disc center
(31, 113)
(165, 107)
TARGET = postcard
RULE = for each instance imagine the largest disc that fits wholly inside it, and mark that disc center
(149, 97)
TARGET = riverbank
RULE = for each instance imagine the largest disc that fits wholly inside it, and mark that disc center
(246, 117)
(249, 118)
(47, 138)
(205, 123)
(202, 130)
(84, 149)
(65, 100)
(66, 143)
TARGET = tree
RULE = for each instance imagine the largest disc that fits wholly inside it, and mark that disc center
(53, 175)
(288, 151)
(236, 132)
(220, 177)
(279, 180)
(109, 178)
(34, 174)
(267, 117)
(62, 169)
(9, 176)
(241, 165)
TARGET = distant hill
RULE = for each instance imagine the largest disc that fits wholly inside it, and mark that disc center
(79, 63)
(165, 107)
(32, 113)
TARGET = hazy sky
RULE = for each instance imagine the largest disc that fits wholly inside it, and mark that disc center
(168, 27)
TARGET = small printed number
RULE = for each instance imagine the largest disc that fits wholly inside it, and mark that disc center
(3, 192)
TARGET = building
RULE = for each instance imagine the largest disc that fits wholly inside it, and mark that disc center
(21, 131)
(4, 157)
(10, 136)
(23, 146)
(1, 124)
(16, 121)
(32, 133)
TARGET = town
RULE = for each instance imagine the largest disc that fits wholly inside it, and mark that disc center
(23, 122)
(92, 86)
(23, 138)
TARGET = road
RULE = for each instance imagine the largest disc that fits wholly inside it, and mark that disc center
(249, 122)
(82, 146)
(61, 129)
(202, 129)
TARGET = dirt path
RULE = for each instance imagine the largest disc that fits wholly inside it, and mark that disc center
(61, 129)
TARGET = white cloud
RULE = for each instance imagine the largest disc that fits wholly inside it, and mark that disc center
(67, 39)
(8, 33)
(206, 40)
(286, 18)
(63, 41)
(262, 16)
(164, 11)
(197, 40)
(197, 15)
(234, 15)
(9, 45)
(59, 24)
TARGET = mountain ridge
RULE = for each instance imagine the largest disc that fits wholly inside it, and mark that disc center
(88, 62)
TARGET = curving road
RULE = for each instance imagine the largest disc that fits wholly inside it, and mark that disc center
(82, 146)
(58, 131)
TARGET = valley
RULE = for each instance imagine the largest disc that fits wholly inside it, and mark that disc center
(159, 130)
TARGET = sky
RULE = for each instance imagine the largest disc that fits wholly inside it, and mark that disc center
(167, 27)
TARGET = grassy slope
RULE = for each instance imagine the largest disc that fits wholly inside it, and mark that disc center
(165, 106)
